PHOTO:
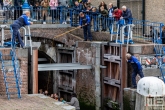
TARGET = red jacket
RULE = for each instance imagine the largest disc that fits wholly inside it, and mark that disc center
(117, 14)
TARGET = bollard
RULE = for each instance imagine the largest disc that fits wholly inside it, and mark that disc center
(150, 94)
(25, 6)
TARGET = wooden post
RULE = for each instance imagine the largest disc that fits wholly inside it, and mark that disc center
(35, 71)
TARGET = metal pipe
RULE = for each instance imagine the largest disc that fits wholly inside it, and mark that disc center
(2, 31)
(143, 15)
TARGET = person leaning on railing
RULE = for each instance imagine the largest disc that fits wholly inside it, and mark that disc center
(95, 14)
(104, 15)
(110, 17)
(20, 22)
(76, 10)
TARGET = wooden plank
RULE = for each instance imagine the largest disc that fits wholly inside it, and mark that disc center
(112, 84)
(114, 80)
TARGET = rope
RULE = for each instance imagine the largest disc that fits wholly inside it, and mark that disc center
(67, 32)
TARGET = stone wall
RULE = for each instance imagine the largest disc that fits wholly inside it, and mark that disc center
(22, 56)
(96, 3)
(88, 81)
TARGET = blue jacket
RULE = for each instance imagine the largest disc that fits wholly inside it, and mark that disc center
(21, 21)
(79, 7)
(84, 20)
(135, 63)
(127, 14)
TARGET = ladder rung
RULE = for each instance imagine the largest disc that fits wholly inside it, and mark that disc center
(11, 82)
(11, 87)
(8, 65)
(10, 77)
(12, 93)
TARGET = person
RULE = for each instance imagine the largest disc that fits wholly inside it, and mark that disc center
(104, 5)
(6, 8)
(36, 9)
(56, 97)
(17, 9)
(20, 22)
(163, 35)
(126, 15)
(45, 5)
(95, 14)
(153, 34)
(104, 14)
(85, 23)
(74, 101)
(40, 91)
(53, 5)
(110, 17)
(137, 69)
(77, 9)
(117, 13)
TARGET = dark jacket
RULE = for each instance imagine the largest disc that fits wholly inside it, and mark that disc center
(79, 7)
(127, 15)
(135, 63)
(84, 20)
(21, 21)
(163, 37)
(104, 12)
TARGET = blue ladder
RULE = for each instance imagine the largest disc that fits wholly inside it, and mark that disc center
(11, 77)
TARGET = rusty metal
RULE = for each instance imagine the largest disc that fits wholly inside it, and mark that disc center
(114, 76)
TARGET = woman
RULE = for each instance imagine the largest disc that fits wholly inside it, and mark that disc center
(45, 5)
(74, 101)
(163, 35)
(104, 5)
(53, 6)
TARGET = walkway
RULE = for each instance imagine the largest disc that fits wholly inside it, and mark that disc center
(31, 102)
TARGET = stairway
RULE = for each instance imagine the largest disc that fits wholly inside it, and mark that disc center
(10, 70)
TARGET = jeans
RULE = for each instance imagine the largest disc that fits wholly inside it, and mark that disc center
(87, 32)
(134, 74)
(16, 34)
(53, 14)
(103, 23)
(110, 22)
(96, 23)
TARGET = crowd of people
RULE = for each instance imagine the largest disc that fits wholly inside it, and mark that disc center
(73, 102)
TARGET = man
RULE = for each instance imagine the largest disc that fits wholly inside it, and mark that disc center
(126, 15)
(137, 69)
(85, 23)
(74, 101)
(76, 10)
(20, 22)
(17, 9)
(117, 13)
(110, 17)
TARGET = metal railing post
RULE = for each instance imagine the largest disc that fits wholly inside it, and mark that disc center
(3, 36)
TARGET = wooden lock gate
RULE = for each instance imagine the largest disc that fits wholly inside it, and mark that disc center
(114, 75)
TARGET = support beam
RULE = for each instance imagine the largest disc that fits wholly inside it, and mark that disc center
(58, 65)
(65, 68)
(35, 71)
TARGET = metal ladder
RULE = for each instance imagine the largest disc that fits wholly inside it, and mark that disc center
(11, 76)
(11, 73)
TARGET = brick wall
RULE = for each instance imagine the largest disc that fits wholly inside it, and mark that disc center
(22, 56)
(96, 3)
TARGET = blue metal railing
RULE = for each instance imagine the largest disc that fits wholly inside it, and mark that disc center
(61, 15)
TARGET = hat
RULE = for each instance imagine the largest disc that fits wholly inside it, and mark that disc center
(115, 7)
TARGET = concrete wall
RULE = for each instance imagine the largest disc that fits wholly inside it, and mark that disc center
(155, 10)
(22, 56)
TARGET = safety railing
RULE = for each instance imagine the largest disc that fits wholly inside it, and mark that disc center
(142, 30)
